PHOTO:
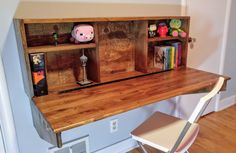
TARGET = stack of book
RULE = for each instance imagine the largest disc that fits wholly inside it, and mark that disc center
(168, 56)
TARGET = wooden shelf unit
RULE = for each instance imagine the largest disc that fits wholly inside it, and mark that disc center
(120, 64)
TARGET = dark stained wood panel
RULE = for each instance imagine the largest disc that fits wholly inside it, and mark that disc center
(63, 68)
(116, 47)
(101, 19)
(73, 109)
(58, 48)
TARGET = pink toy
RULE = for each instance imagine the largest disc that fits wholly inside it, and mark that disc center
(82, 33)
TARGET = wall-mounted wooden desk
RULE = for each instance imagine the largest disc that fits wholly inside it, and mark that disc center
(69, 110)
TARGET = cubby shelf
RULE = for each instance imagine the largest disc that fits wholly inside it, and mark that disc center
(155, 39)
(61, 47)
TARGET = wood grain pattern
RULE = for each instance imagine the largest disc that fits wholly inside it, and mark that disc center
(141, 51)
(217, 134)
(42, 34)
(93, 67)
(102, 19)
(167, 38)
(58, 48)
(185, 27)
(116, 47)
(73, 109)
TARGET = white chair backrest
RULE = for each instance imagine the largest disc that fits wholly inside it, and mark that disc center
(204, 101)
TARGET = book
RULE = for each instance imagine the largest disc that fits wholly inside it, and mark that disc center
(37, 64)
(159, 57)
(178, 52)
(163, 57)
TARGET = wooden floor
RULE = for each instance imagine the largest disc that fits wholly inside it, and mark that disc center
(217, 134)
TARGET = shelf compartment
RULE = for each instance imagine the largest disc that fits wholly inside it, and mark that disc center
(61, 47)
(64, 69)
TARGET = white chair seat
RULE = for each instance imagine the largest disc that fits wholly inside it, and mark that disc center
(161, 131)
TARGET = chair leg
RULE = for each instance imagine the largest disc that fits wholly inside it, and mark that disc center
(142, 147)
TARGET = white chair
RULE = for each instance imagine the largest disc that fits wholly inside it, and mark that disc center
(170, 134)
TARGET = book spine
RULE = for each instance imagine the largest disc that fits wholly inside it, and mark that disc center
(168, 56)
(37, 64)
(159, 57)
(172, 57)
(179, 54)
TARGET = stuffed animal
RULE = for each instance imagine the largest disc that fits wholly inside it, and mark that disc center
(162, 29)
(82, 33)
(175, 30)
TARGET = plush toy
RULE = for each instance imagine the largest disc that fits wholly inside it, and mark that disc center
(82, 33)
(175, 30)
(152, 30)
(162, 30)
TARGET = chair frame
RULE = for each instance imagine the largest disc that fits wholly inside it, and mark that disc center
(197, 113)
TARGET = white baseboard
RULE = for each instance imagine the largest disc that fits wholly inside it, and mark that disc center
(120, 147)
(226, 102)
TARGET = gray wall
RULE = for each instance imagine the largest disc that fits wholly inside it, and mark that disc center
(28, 139)
(230, 56)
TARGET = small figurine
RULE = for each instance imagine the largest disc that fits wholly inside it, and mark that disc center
(175, 30)
(152, 30)
(55, 34)
(82, 33)
(162, 30)
(84, 60)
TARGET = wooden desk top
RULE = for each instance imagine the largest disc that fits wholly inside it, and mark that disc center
(73, 109)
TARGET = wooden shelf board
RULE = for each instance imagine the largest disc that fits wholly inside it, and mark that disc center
(164, 38)
(73, 109)
(154, 69)
(118, 76)
(61, 47)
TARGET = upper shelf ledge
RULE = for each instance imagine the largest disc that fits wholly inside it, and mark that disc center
(34, 12)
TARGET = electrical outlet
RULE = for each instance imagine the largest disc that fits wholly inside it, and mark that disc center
(114, 125)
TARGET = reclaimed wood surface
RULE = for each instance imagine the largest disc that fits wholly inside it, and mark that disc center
(116, 47)
(58, 48)
(101, 19)
(73, 109)
(63, 68)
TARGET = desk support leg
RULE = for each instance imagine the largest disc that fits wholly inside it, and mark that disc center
(59, 141)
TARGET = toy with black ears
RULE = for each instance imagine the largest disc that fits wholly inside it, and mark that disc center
(175, 25)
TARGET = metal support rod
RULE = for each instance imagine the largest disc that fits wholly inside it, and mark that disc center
(142, 147)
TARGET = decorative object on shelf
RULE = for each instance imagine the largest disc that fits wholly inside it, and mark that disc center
(152, 30)
(37, 64)
(82, 33)
(55, 34)
(84, 60)
(162, 29)
(175, 25)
